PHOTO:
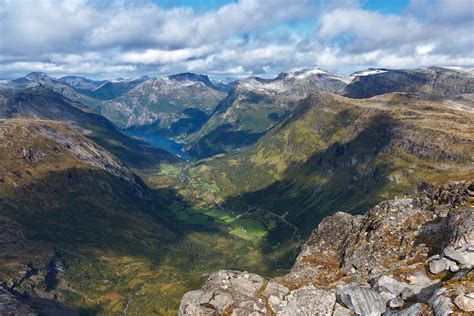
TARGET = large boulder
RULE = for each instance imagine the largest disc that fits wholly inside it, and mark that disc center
(441, 304)
(459, 236)
(361, 299)
(465, 302)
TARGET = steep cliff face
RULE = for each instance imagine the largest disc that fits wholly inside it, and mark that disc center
(40, 103)
(64, 199)
(255, 105)
(174, 104)
(403, 257)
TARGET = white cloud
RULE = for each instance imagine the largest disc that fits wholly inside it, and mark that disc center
(160, 56)
(121, 38)
(425, 49)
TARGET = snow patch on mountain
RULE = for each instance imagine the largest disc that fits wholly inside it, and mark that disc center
(367, 72)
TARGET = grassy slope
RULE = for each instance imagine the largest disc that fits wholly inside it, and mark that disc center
(337, 154)
(121, 248)
(240, 120)
(45, 104)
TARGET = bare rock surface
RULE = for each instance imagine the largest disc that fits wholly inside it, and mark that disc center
(361, 299)
(465, 302)
(15, 303)
(9, 305)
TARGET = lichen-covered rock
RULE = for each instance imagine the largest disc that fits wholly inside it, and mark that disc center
(205, 302)
(415, 309)
(389, 284)
(277, 304)
(340, 310)
(319, 258)
(223, 289)
(396, 302)
(463, 255)
(438, 198)
(459, 228)
(439, 265)
(459, 236)
(388, 233)
(275, 289)
(308, 301)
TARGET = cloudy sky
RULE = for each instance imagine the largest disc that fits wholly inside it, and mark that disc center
(104, 39)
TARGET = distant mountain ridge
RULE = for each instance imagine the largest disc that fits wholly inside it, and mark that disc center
(78, 82)
(173, 105)
(254, 105)
(218, 117)
(433, 80)
(40, 103)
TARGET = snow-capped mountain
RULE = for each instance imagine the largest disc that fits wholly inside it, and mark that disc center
(82, 83)
(443, 81)
(173, 104)
(255, 105)
(300, 82)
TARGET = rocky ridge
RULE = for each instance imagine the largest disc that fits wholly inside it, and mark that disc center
(403, 257)
(255, 105)
(55, 141)
(440, 81)
(163, 101)
(44, 104)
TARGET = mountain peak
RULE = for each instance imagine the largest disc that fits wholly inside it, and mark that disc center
(189, 76)
(368, 72)
(306, 73)
(36, 76)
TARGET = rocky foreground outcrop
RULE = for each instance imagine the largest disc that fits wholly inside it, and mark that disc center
(403, 257)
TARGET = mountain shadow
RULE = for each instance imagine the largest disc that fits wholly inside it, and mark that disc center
(344, 177)
(112, 239)
(223, 139)
(194, 119)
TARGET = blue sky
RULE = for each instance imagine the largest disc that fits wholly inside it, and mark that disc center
(198, 5)
(303, 27)
(386, 6)
(110, 38)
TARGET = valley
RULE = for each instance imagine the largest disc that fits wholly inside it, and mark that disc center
(131, 255)
(122, 200)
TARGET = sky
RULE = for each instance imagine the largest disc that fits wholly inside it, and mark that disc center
(119, 38)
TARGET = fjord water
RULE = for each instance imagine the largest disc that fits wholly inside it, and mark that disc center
(161, 142)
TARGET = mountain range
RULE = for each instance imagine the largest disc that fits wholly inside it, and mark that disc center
(98, 218)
